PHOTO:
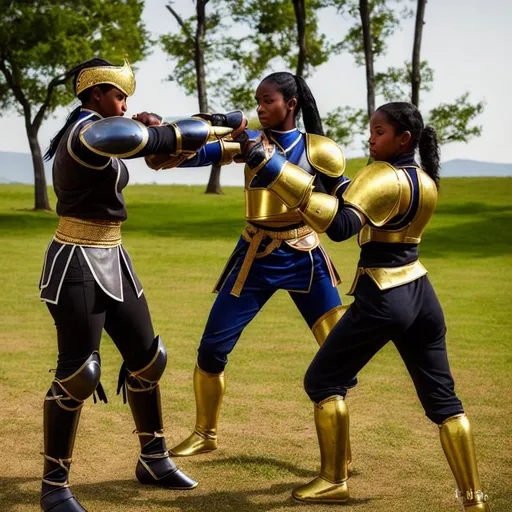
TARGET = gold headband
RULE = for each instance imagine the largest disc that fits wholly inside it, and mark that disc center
(120, 77)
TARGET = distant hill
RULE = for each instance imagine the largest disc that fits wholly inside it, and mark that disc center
(472, 168)
(17, 168)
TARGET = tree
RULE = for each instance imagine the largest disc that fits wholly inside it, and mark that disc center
(274, 32)
(191, 51)
(41, 39)
(416, 48)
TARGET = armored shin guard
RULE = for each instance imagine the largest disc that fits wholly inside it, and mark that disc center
(209, 390)
(154, 466)
(458, 446)
(62, 407)
(332, 428)
(321, 329)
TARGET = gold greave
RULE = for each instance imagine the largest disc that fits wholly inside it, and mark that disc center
(332, 427)
(458, 446)
(209, 390)
(321, 329)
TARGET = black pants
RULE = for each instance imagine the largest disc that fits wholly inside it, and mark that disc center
(411, 316)
(84, 310)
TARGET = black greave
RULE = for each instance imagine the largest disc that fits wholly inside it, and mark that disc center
(154, 466)
(62, 407)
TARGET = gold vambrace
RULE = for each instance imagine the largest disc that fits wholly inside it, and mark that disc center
(293, 185)
(320, 211)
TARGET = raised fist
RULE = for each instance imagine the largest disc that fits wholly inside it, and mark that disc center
(148, 118)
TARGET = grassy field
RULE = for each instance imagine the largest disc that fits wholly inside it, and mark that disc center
(179, 240)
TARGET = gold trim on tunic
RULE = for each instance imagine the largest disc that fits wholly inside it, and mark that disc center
(88, 232)
(390, 277)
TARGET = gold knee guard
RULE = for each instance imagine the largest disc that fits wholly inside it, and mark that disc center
(458, 446)
(332, 427)
(209, 390)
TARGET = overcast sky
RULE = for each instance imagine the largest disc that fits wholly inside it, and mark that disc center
(466, 42)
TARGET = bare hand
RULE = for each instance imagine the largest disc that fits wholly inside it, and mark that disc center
(148, 119)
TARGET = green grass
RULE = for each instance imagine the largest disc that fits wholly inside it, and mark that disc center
(179, 240)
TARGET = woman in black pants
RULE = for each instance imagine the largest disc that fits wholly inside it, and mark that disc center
(88, 280)
(389, 203)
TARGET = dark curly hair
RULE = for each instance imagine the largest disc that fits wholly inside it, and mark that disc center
(405, 116)
(292, 86)
(83, 97)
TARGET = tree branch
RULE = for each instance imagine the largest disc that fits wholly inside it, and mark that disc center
(58, 80)
(181, 23)
(15, 87)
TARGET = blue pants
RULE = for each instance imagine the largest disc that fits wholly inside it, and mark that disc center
(285, 268)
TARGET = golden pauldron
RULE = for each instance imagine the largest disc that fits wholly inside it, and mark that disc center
(119, 76)
(90, 232)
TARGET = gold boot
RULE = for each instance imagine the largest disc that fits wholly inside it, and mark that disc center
(209, 390)
(332, 428)
(458, 446)
(321, 329)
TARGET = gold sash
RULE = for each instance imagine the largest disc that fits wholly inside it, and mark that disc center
(89, 232)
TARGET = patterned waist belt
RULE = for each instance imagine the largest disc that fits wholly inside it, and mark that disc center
(254, 236)
(390, 277)
(90, 232)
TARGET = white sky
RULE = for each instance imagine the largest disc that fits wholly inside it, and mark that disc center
(467, 43)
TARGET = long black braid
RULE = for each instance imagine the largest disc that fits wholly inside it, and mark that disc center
(83, 97)
(291, 86)
(406, 117)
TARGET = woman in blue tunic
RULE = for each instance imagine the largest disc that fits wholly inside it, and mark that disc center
(277, 250)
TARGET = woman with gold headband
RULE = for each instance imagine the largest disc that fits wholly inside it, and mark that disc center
(88, 281)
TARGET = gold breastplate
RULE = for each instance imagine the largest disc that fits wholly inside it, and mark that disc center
(411, 232)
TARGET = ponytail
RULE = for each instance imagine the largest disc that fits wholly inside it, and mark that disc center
(83, 97)
(291, 86)
(310, 114)
(405, 116)
(430, 153)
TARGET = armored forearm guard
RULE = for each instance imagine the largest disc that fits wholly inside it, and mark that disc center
(290, 183)
(320, 211)
(193, 133)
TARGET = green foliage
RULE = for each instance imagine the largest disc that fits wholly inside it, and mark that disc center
(344, 123)
(265, 39)
(40, 40)
(395, 83)
(384, 21)
(452, 120)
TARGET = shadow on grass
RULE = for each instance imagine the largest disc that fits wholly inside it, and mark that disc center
(129, 491)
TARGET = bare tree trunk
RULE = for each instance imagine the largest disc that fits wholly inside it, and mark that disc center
(416, 62)
(300, 16)
(213, 186)
(368, 55)
(41, 192)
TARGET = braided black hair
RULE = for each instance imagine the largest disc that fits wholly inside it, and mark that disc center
(405, 116)
(291, 86)
(83, 97)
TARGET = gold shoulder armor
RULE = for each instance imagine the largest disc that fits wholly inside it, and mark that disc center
(325, 155)
(375, 192)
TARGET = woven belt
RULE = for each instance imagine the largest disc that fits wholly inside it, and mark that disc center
(254, 236)
(90, 232)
